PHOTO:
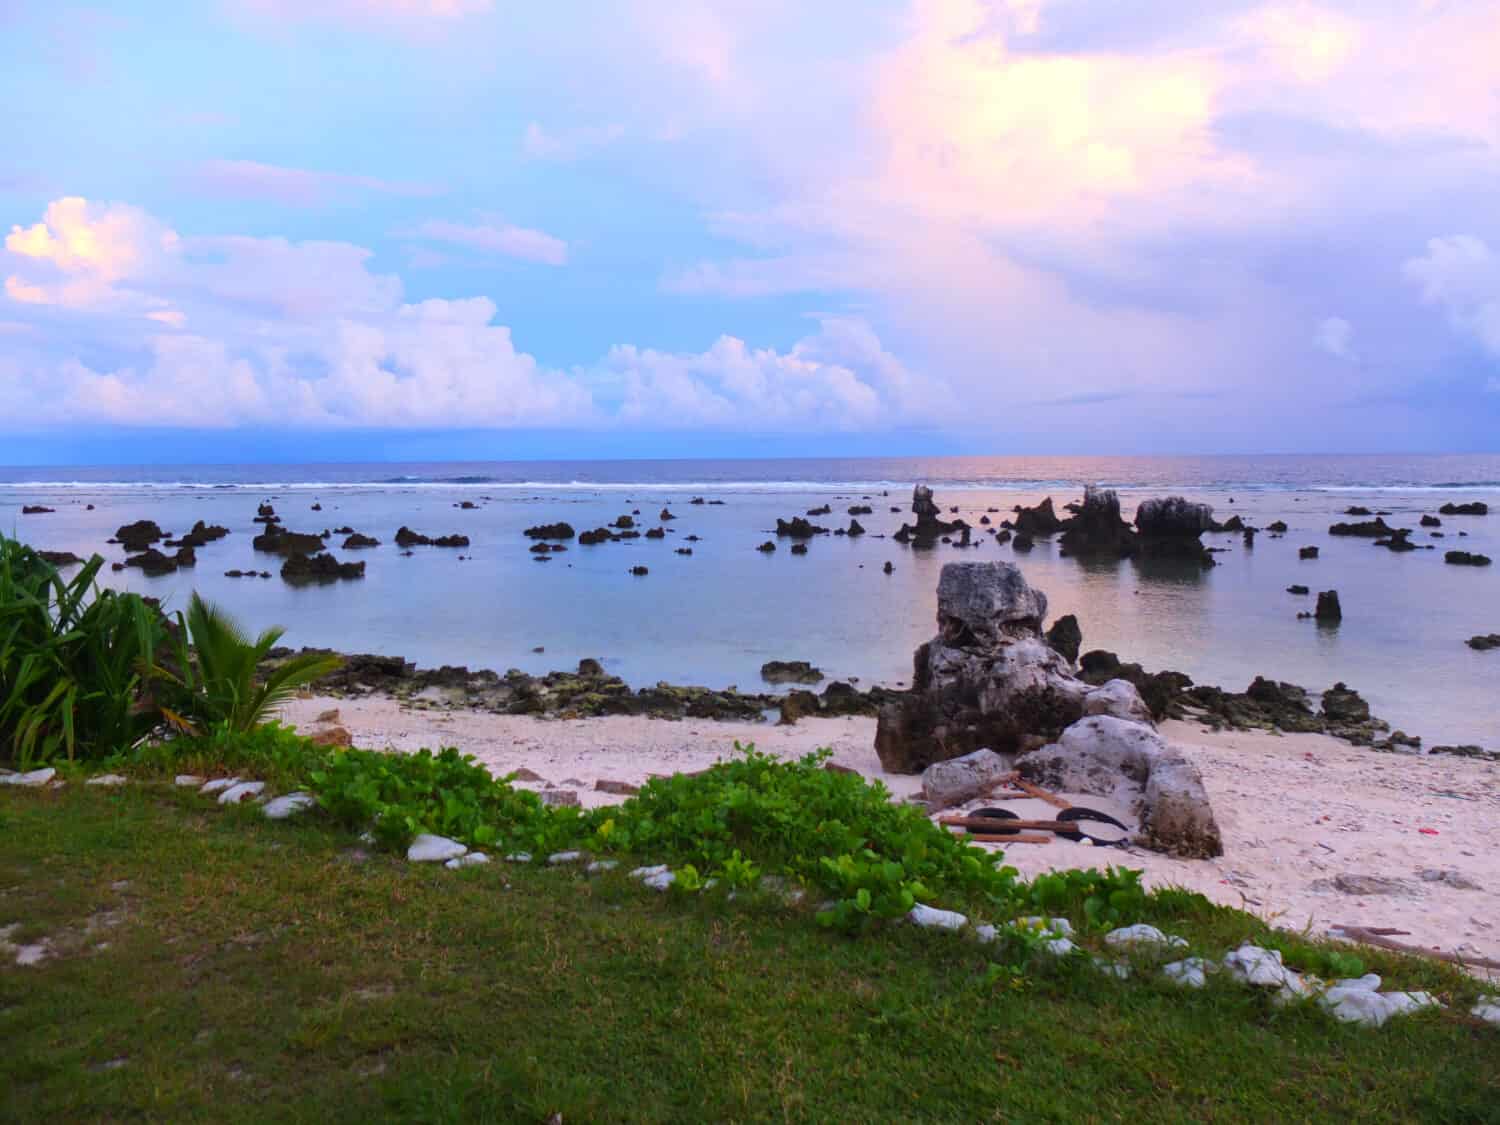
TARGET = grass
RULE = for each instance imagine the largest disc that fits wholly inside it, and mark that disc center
(246, 970)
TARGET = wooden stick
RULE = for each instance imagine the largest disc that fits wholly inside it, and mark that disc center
(1372, 936)
(999, 822)
(1018, 838)
(1041, 794)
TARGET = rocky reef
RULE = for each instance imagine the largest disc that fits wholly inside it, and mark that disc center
(406, 537)
(930, 527)
(300, 568)
(584, 693)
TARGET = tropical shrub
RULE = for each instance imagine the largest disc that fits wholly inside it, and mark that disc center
(74, 661)
(398, 796)
(214, 683)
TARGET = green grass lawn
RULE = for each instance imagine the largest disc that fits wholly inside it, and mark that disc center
(214, 966)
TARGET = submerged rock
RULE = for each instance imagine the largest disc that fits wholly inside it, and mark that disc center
(323, 567)
(357, 541)
(550, 531)
(406, 537)
(1465, 558)
(1477, 508)
(275, 540)
(1097, 529)
(1484, 642)
(1170, 528)
(929, 528)
(139, 535)
(1329, 610)
(790, 672)
(1369, 529)
(798, 528)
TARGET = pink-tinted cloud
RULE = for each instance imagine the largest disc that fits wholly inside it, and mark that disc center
(297, 187)
(497, 238)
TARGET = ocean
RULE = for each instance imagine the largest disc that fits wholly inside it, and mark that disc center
(713, 617)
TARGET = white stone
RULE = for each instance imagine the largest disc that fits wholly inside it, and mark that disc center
(1488, 1009)
(428, 848)
(1370, 982)
(660, 880)
(237, 793)
(930, 918)
(648, 872)
(1190, 973)
(1112, 968)
(186, 779)
(518, 857)
(108, 779)
(1256, 966)
(219, 783)
(601, 865)
(1118, 698)
(472, 859)
(33, 779)
(557, 859)
(986, 933)
(283, 807)
(31, 954)
(1372, 1009)
(1142, 936)
(1058, 947)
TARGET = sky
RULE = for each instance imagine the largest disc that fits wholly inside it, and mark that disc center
(364, 229)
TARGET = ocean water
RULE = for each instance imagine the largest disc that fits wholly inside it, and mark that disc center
(715, 617)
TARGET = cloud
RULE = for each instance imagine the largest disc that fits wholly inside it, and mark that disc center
(497, 238)
(230, 330)
(538, 143)
(298, 187)
(357, 10)
(838, 379)
(1308, 42)
(1335, 336)
(1461, 274)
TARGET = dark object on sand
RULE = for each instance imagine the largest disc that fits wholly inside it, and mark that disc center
(1082, 817)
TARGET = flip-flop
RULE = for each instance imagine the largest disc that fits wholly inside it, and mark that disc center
(1100, 840)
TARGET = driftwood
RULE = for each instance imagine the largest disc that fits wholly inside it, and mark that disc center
(1018, 838)
(997, 823)
(1378, 936)
(1040, 794)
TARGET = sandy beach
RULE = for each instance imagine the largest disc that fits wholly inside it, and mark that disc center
(1297, 811)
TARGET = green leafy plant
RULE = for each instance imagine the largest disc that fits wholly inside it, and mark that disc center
(215, 683)
(73, 662)
(400, 795)
(1098, 899)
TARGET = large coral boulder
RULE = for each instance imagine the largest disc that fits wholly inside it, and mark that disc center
(987, 680)
(1131, 764)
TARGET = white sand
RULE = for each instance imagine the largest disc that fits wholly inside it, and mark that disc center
(1293, 809)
